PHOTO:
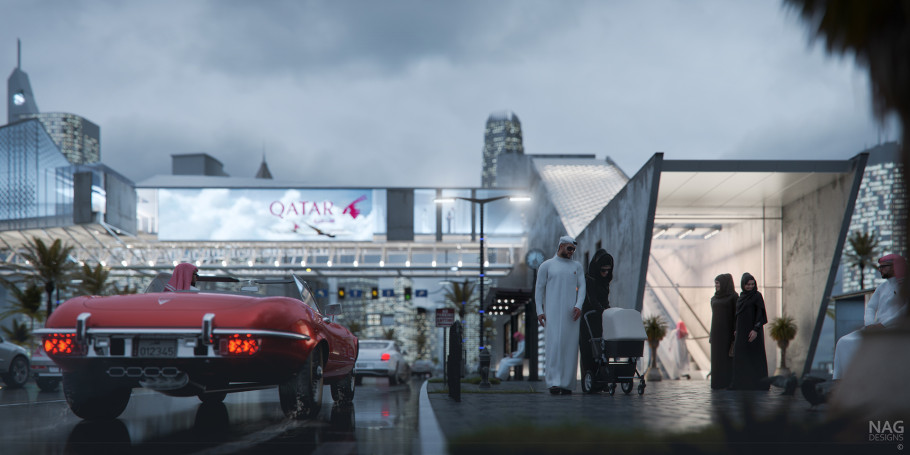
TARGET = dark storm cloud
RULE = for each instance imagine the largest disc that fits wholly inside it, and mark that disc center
(397, 92)
(262, 39)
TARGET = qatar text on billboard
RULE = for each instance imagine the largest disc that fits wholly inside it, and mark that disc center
(220, 214)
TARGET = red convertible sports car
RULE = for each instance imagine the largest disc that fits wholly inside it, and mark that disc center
(228, 335)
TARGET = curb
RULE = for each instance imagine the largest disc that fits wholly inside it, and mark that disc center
(432, 440)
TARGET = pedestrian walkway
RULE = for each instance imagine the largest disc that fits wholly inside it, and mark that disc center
(523, 411)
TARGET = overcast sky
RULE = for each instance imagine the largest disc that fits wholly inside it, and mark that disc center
(396, 93)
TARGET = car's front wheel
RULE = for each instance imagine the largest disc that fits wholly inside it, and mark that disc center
(18, 373)
(343, 390)
(91, 400)
(301, 395)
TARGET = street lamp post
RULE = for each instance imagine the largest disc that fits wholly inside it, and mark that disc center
(484, 353)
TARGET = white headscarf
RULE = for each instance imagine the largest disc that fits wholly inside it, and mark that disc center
(565, 239)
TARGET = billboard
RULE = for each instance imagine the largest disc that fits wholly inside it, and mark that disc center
(230, 214)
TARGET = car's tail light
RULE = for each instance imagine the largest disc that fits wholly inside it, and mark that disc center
(238, 344)
(385, 357)
(61, 344)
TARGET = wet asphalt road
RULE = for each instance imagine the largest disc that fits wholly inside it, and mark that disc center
(382, 420)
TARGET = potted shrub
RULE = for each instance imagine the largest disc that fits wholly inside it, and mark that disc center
(655, 329)
(783, 330)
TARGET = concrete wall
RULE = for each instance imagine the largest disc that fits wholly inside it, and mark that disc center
(624, 230)
(814, 229)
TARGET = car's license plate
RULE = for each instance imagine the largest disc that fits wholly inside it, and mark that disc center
(157, 348)
(363, 365)
(53, 369)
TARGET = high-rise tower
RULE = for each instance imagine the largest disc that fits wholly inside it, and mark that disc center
(502, 140)
(77, 138)
(20, 99)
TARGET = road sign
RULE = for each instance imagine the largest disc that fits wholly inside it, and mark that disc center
(322, 293)
(388, 293)
(445, 317)
(420, 293)
(356, 293)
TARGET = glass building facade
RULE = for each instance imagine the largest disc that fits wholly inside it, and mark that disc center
(502, 136)
(33, 182)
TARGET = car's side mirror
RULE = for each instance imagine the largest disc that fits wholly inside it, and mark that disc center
(333, 309)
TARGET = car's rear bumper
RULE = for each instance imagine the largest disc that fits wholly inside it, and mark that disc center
(373, 369)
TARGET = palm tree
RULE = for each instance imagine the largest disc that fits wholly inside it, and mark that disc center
(19, 334)
(461, 297)
(52, 264)
(783, 330)
(863, 245)
(94, 280)
(878, 34)
(27, 302)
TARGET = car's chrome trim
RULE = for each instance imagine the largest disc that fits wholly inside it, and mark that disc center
(81, 326)
(208, 324)
(175, 331)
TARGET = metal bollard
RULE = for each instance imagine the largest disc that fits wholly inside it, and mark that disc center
(485, 369)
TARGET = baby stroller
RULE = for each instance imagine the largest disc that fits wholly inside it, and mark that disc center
(616, 353)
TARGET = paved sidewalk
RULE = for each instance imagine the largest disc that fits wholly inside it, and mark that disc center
(667, 407)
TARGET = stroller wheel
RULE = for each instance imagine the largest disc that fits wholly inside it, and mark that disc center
(587, 382)
(627, 387)
(641, 387)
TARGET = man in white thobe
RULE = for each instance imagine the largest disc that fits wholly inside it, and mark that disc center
(883, 309)
(560, 294)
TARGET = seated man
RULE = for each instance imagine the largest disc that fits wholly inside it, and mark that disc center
(882, 310)
(517, 358)
(183, 278)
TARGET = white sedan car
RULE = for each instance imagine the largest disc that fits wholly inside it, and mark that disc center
(381, 358)
(13, 364)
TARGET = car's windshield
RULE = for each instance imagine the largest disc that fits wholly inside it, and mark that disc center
(288, 287)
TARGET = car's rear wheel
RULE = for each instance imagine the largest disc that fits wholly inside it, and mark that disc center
(393, 379)
(301, 395)
(47, 385)
(94, 400)
(358, 379)
(343, 390)
(18, 373)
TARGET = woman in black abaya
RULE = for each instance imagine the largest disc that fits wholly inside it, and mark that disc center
(723, 318)
(600, 273)
(750, 365)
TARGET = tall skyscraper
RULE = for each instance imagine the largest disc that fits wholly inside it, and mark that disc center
(77, 138)
(502, 140)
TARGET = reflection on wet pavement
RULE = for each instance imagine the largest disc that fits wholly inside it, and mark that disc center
(382, 419)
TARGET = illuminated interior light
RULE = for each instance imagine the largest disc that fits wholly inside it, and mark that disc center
(688, 231)
(224, 263)
(381, 263)
(198, 263)
(103, 264)
(459, 263)
(486, 263)
(175, 263)
(433, 263)
(277, 263)
(519, 198)
(713, 232)
(151, 263)
(123, 263)
(407, 263)
(328, 263)
(303, 263)
(659, 233)
(249, 263)
(356, 264)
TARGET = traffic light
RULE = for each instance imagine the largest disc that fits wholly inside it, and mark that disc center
(340, 293)
(407, 293)
(374, 293)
